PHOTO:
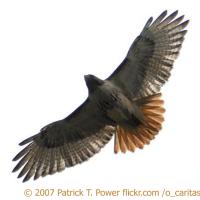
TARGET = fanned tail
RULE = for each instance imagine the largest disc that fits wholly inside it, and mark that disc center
(127, 139)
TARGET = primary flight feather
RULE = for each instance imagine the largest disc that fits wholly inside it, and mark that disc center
(127, 105)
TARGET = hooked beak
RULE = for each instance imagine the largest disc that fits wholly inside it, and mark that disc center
(86, 77)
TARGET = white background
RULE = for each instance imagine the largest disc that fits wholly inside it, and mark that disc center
(45, 49)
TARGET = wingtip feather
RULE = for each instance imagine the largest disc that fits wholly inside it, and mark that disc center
(26, 141)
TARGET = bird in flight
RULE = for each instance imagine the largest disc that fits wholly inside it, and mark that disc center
(127, 105)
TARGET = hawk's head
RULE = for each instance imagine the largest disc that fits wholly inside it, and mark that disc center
(92, 82)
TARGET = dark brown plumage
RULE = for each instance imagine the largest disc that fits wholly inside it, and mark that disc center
(126, 104)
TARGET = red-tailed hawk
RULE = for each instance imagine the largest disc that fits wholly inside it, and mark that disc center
(127, 105)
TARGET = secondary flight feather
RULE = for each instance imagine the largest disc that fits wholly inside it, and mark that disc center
(127, 105)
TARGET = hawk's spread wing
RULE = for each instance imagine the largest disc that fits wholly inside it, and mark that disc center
(64, 143)
(149, 60)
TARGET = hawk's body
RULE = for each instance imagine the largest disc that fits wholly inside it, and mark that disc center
(126, 104)
(114, 105)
